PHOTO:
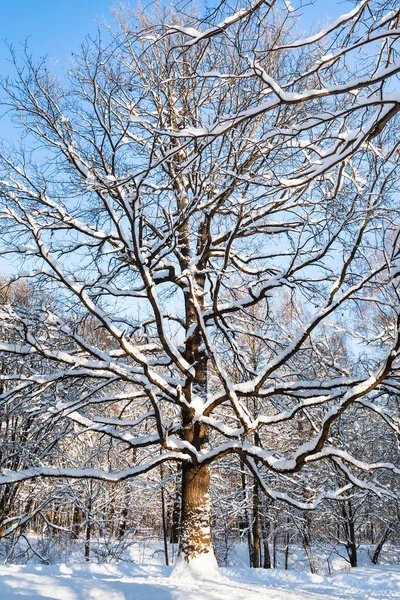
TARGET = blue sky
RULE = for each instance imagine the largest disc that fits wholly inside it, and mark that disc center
(56, 27)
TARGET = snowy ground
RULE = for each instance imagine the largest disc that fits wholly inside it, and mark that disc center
(152, 582)
(141, 575)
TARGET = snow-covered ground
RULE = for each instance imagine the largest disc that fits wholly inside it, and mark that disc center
(141, 575)
(126, 581)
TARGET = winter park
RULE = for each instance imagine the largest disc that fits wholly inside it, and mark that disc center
(200, 300)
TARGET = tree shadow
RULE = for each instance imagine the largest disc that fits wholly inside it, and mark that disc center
(15, 587)
(146, 591)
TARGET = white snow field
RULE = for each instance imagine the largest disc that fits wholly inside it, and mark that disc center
(126, 581)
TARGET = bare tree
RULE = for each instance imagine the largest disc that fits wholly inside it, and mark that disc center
(182, 177)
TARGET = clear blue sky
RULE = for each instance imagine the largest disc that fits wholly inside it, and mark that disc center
(54, 27)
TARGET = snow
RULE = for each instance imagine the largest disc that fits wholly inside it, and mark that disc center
(289, 7)
(202, 568)
(323, 32)
(125, 581)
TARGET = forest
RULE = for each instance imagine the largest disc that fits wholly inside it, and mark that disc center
(200, 301)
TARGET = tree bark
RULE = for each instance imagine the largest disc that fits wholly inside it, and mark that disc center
(349, 528)
(267, 555)
(196, 512)
(274, 550)
(88, 534)
(248, 527)
(164, 518)
(256, 527)
(265, 529)
(287, 542)
(176, 512)
(375, 557)
(123, 520)
(196, 508)
(76, 522)
(87, 540)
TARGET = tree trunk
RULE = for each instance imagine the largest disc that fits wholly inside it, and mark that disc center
(287, 546)
(267, 555)
(176, 513)
(265, 528)
(87, 540)
(352, 554)
(123, 520)
(255, 527)
(247, 515)
(371, 533)
(76, 522)
(379, 546)
(305, 533)
(196, 508)
(111, 517)
(164, 518)
(196, 512)
(88, 534)
(287, 551)
(274, 549)
(349, 528)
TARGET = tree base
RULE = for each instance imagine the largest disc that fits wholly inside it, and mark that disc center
(200, 568)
